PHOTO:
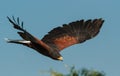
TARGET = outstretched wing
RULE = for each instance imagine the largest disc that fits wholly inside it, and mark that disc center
(26, 35)
(72, 33)
(19, 26)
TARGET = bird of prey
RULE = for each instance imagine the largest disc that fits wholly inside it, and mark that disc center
(59, 38)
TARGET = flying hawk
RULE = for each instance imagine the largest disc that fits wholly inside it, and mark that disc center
(58, 38)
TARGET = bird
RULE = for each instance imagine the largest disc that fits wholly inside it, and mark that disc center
(58, 38)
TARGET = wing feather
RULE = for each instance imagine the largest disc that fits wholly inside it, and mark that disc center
(26, 35)
(72, 33)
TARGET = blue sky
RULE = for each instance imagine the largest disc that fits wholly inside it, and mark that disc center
(101, 53)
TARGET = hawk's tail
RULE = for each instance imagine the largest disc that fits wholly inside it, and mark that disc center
(17, 41)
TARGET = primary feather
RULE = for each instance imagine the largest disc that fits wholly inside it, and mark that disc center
(73, 33)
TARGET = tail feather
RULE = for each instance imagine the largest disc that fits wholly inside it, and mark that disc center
(23, 33)
(17, 41)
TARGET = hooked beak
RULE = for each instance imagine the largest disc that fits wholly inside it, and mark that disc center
(60, 58)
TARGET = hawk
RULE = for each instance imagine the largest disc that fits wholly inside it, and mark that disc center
(59, 38)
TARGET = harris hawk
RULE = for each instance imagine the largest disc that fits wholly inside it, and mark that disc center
(58, 38)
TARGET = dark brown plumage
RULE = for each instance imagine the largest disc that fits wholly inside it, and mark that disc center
(58, 38)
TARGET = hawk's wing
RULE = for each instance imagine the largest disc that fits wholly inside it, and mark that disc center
(72, 33)
(26, 35)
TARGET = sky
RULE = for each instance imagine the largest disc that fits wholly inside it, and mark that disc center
(101, 53)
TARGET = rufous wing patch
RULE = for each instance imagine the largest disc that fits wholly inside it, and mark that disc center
(65, 41)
